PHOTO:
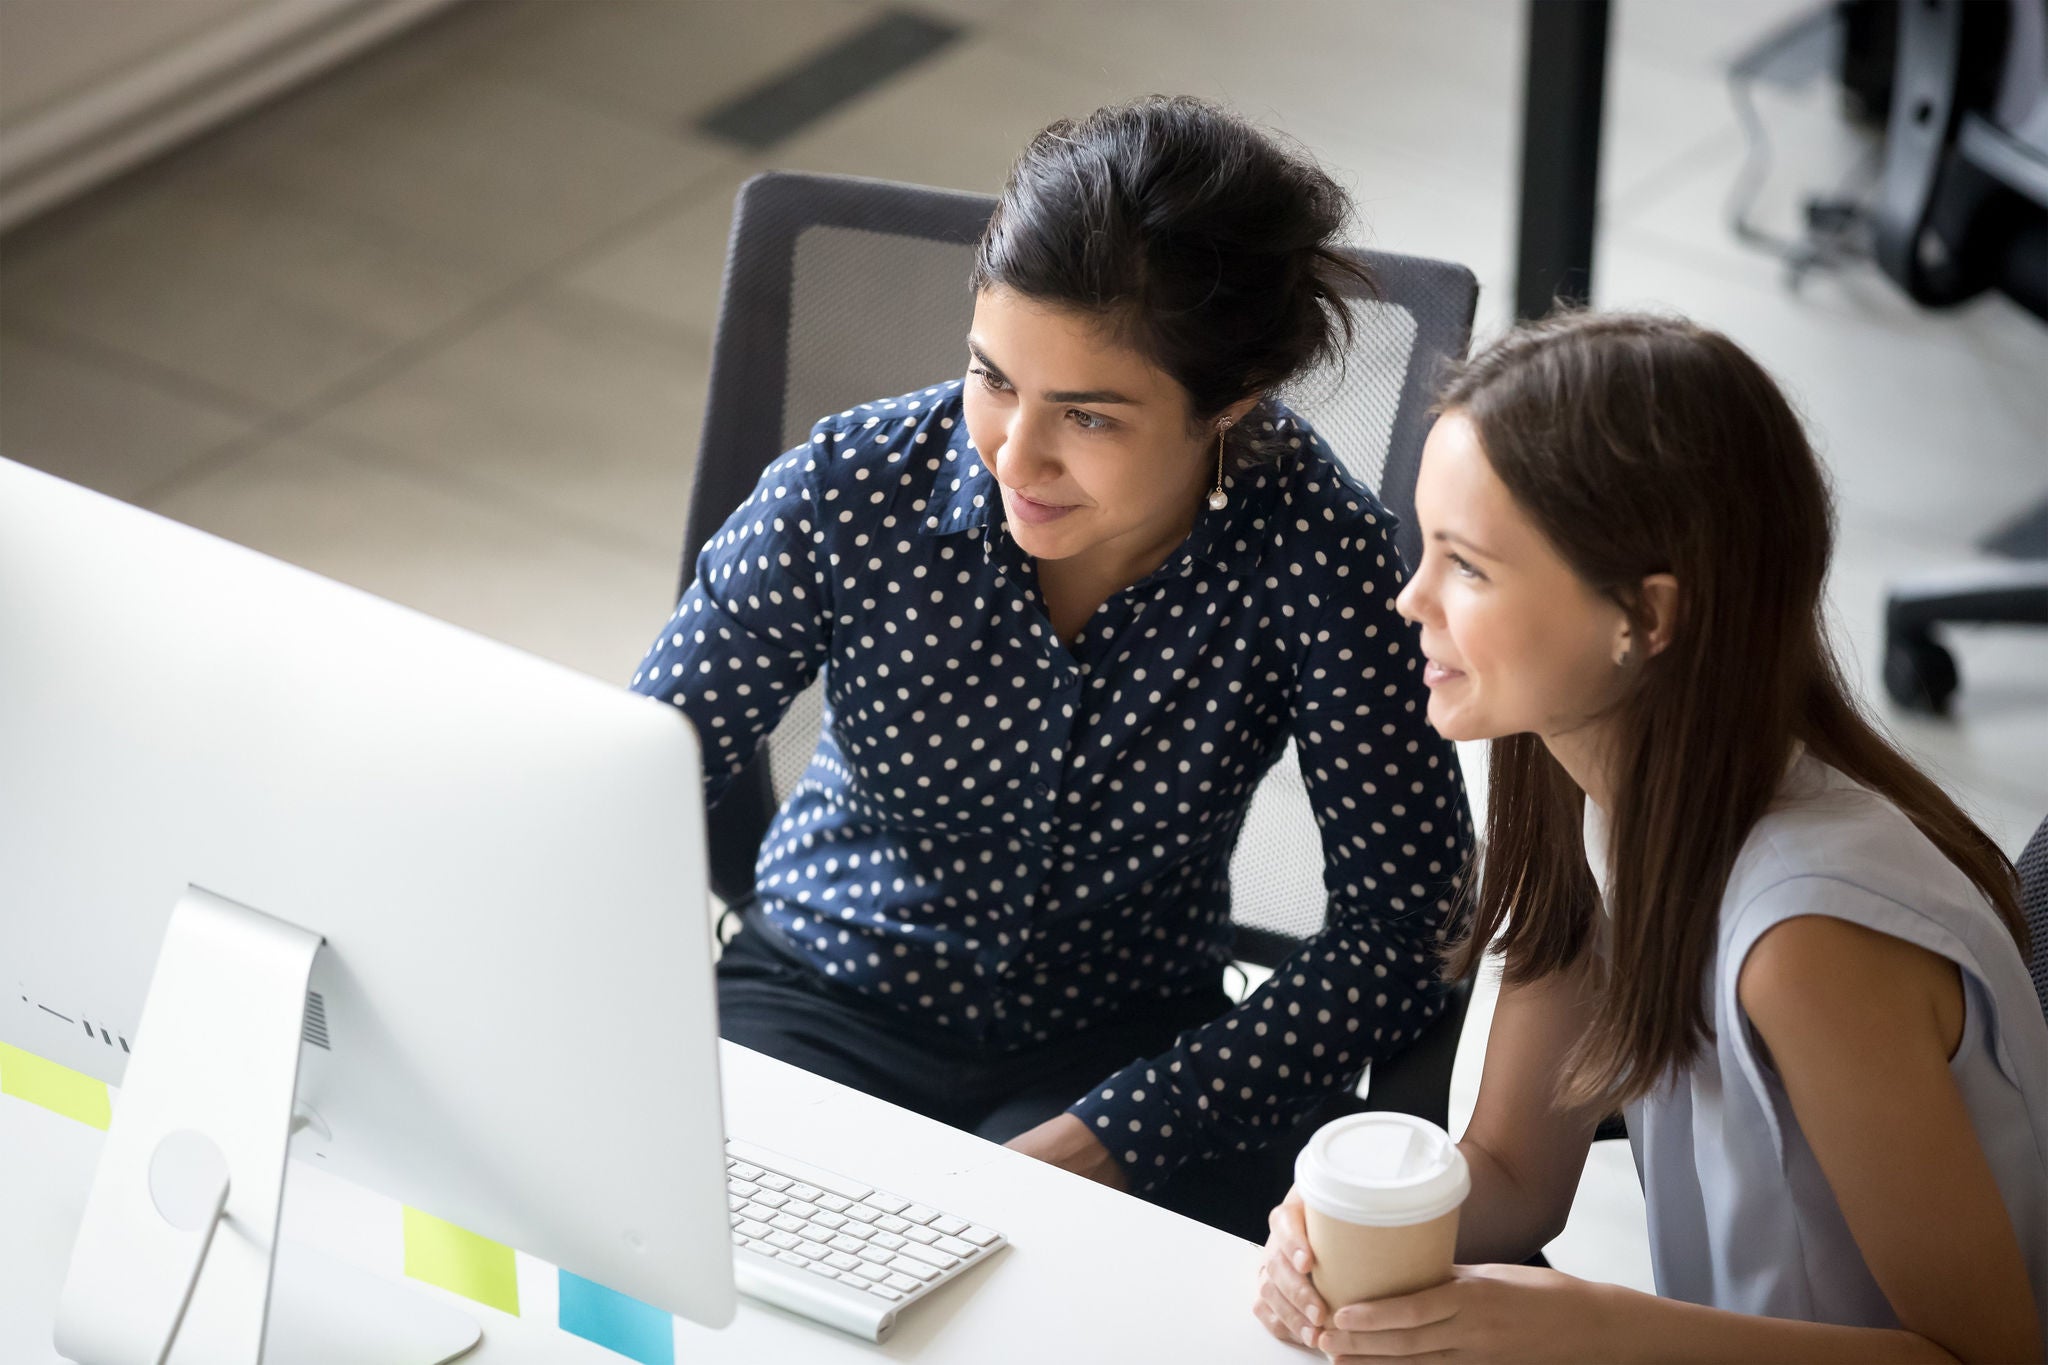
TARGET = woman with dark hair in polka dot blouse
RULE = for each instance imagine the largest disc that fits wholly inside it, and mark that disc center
(1068, 611)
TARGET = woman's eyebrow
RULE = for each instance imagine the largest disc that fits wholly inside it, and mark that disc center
(1476, 549)
(1056, 395)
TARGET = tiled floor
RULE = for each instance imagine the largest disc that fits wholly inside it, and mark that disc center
(439, 324)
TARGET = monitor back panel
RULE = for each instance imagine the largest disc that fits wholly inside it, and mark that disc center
(513, 1024)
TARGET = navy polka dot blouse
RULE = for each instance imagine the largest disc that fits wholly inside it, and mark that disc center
(1008, 837)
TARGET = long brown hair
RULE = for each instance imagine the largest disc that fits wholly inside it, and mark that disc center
(1643, 445)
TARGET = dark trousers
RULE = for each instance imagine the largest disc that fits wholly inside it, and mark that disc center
(771, 1000)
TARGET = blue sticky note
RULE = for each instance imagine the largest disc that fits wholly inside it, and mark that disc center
(617, 1322)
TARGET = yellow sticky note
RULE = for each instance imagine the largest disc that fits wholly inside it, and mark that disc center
(73, 1094)
(460, 1261)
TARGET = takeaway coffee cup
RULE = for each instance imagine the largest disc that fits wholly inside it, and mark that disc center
(1381, 1192)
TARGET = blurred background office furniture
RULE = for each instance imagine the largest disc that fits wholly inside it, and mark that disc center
(1564, 89)
(1964, 208)
(840, 290)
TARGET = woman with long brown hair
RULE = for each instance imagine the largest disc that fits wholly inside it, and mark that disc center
(1722, 900)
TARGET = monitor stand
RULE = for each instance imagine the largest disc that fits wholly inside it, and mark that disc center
(175, 1253)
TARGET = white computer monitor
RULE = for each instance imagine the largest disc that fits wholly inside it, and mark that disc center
(511, 1024)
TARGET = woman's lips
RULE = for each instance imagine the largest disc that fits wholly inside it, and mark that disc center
(1033, 512)
(1435, 674)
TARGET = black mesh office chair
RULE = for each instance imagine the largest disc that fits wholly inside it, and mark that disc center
(2033, 867)
(839, 290)
(1964, 208)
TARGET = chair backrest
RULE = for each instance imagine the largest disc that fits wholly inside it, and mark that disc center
(2033, 866)
(839, 290)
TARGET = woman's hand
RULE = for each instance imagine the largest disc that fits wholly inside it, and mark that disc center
(1064, 1141)
(1288, 1302)
(1485, 1312)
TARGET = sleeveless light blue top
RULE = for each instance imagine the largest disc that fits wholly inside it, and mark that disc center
(1740, 1215)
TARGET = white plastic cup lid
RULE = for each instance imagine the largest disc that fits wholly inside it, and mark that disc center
(1383, 1170)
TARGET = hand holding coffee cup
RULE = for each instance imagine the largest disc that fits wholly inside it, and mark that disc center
(1373, 1214)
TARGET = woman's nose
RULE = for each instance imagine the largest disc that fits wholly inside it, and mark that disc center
(1410, 603)
(1024, 461)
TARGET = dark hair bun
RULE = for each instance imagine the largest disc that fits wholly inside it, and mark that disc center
(1208, 246)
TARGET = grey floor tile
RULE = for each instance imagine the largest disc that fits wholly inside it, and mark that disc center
(1699, 36)
(266, 296)
(1919, 430)
(944, 123)
(508, 177)
(669, 271)
(1434, 80)
(423, 543)
(104, 425)
(1992, 753)
(661, 63)
(570, 407)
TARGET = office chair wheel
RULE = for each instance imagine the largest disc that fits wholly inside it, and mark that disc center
(1920, 675)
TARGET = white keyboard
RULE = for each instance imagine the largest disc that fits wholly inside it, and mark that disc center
(835, 1250)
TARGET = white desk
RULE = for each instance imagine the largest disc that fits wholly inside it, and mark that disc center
(1090, 1275)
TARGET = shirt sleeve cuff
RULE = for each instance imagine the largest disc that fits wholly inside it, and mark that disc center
(1134, 1115)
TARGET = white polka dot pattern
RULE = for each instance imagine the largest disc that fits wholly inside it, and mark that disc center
(1009, 838)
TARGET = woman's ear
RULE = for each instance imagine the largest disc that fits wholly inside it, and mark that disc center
(1657, 612)
(1236, 412)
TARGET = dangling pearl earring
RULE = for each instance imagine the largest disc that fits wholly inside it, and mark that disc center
(1218, 499)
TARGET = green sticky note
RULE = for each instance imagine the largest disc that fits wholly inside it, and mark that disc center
(460, 1261)
(73, 1094)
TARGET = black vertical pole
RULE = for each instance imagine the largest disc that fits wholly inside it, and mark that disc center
(1564, 82)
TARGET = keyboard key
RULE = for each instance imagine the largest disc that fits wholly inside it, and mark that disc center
(884, 1291)
(770, 1199)
(772, 1181)
(787, 1223)
(887, 1241)
(791, 1257)
(751, 1227)
(953, 1246)
(981, 1237)
(949, 1225)
(783, 1240)
(796, 1170)
(804, 1209)
(827, 1220)
(756, 1210)
(839, 1260)
(846, 1244)
(827, 1271)
(887, 1203)
(803, 1191)
(871, 1272)
(863, 1213)
(889, 1222)
(902, 1282)
(833, 1202)
(736, 1202)
(860, 1230)
(743, 1170)
(918, 1269)
(813, 1250)
(924, 1235)
(932, 1256)
(746, 1189)
(875, 1255)
(917, 1213)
